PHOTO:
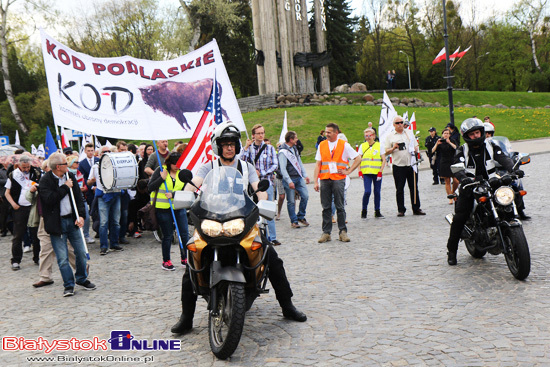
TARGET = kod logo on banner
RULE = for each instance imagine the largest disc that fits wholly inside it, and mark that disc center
(124, 340)
(4, 140)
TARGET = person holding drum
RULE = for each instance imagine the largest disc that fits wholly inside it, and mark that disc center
(169, 175)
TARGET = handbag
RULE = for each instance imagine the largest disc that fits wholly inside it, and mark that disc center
(149, 216)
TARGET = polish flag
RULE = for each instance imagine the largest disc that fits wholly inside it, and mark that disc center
(440, 57)
(412, 123)
(461, 54)
(455, 54)
(64, 140)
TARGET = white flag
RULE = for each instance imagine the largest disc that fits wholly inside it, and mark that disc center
(40, 151)
(97, 143)
(388, 113)
(108, 143)
(33, 149)
(284, 131)
(17, 142)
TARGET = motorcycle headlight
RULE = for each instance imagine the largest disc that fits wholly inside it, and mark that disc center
(216, 229)
(211, 228)
(233, 227)
(504, 195)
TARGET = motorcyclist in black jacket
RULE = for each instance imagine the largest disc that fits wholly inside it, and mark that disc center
(479, 157)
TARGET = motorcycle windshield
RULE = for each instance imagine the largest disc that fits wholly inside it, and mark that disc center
(222, 190)
(503, 143)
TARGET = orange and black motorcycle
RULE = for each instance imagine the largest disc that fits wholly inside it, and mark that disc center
(227, 252)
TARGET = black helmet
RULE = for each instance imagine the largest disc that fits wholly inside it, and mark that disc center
(469, 125)
(226, 131)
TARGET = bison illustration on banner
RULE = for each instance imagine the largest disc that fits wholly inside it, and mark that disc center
(175, 99)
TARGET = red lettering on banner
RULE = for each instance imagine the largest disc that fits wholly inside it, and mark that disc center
(78, 64)
(142, 73)
(186, 67)
(173, 71)
(64, 57)
(198, 63)
(119, 67)
(157, 73)
(98, 68)
(208, 57)
(50, 47)
(131, 67)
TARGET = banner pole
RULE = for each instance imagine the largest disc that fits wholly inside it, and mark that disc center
(169, 200)
(72, 196)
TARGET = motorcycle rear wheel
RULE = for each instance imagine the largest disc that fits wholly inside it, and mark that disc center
(478, 254)
(225, 329)
(518, 257)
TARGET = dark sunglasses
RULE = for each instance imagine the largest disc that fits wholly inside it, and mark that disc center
(62, 164)
(398, 122)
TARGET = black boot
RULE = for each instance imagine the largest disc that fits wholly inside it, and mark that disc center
(523, 216)
(184, 325)
(363, 214)
(290, 312)
(377, 214)
(451, 258)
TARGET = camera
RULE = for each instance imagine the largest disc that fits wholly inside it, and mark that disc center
(442, 140)
(401, 146)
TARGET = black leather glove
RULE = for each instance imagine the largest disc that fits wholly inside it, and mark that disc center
(466, 181)
(519, 173)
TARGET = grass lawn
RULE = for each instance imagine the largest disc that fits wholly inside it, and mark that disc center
(466, 97)
(308, 121)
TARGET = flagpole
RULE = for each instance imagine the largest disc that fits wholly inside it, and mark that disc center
(72, 195)
(449, 77)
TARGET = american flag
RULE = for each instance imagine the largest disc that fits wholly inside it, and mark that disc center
(199, 148)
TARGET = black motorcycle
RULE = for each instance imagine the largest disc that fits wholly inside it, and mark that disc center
(493, 225)
(227, 253)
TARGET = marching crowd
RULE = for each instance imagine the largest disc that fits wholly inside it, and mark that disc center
(45, 206)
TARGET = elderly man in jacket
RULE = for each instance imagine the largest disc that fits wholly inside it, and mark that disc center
(63, 221)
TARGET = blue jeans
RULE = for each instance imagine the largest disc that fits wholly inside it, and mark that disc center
(124, 202)
(300, 186)
(368, 181)
(59, 243)
(109, 221)
(271, 231)
(166, 224)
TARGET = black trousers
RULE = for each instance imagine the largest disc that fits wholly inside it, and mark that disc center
(277, 278)
(463, 208)
(20, 220)
(402, 174)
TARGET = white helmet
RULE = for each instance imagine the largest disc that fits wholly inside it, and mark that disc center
(226, 131)
(489, 128)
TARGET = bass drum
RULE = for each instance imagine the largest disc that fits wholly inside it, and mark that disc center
(118, 171)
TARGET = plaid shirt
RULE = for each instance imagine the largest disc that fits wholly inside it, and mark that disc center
(267, 163)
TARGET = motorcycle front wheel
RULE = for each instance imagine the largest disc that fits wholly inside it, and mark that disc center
(517, 254)
(226, 321)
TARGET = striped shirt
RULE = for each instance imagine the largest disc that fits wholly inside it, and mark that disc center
(266, 164)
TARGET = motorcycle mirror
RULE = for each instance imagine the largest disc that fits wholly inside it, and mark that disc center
(185, 175)
(457, 167)
(263, 185)
(524, 158)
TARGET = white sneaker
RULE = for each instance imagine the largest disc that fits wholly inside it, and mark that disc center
(15, 266)
(90, 240)
(27, 249)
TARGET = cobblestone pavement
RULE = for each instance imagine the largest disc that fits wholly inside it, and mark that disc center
(386, 298)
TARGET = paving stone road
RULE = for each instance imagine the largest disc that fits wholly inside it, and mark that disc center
(386, 298)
